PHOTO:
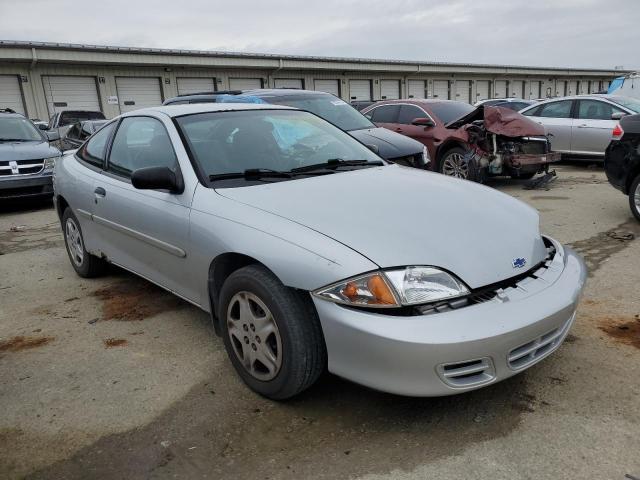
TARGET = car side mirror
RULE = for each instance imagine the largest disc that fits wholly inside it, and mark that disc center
(423, 122)
(157, 178)
(52, 136)
(373, 148)
(617, 115)
(43, 126)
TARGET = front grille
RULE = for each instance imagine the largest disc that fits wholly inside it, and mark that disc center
(468, 373)
(21, 167)
(536, 349)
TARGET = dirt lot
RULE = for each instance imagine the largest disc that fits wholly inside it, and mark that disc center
(113, 378)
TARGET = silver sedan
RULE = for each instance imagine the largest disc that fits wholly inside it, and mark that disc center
(310, 252)
(582, 125)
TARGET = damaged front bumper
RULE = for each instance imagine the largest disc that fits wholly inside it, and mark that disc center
(526, 160)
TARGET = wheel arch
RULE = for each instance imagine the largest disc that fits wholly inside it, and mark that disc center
(446, 146)
(219, 270)
(634, 172)
(61, 206)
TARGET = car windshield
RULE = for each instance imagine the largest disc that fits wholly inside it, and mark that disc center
(630, 103)
(18, 129)
(331, 108)
(69, 117)
(450, 111)
(270, 140)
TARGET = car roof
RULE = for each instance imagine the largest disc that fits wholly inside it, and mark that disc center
(588, 96)
(190, 108)
(256, 92)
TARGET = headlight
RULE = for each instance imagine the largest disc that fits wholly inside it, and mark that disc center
(425, 284)
(394, 288)
(50, 162)
(425, 156)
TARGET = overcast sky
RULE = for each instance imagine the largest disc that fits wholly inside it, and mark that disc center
(569, 33)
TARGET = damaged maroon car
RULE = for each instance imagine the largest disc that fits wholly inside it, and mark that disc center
(469, 142)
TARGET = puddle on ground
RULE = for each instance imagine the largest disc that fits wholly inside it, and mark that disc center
(21, 342)
(624, 329)
(134, 300)
(20, 239)
(597, 249)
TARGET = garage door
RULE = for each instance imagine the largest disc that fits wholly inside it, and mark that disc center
(417, 89)
(515, 88)
(288, 83)
(360, 90)
(441, 89)
(482, 90)
(10, 93)
(138, 92)
(500, 89)
(195, 85)
(534, 89)
(561, 88)
(389, 89)
(572, 87)
(463, 91)
(79, 93)
(329, 86)
(245, 83)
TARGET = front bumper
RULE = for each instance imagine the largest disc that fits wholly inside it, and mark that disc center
(525, 160)
(459, 350)
(21, 186)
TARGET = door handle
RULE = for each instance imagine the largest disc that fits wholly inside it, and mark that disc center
(100, 192)
(583, 126)
(398, 129)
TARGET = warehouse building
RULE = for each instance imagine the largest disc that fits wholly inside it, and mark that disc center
(39, 79)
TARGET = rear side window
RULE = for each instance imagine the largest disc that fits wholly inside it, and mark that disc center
(385, 114)
(140, 142)
(596, 110)
(560, 109)
(408, 113)
(94, 150)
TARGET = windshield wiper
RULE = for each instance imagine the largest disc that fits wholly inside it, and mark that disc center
(251, 174)
(334, 163)
(14, 140)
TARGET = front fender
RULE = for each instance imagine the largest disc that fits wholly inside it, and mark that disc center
(299, 256)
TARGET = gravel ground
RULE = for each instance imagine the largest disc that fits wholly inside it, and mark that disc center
(114, 378)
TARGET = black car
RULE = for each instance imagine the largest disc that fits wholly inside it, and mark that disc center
(389, 145)
(79, 132)
(26, 158)
(622, 160)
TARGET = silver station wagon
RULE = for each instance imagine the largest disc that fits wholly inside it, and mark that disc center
(310, 252)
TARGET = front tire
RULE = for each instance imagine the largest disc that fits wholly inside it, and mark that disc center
(271, 333)
(634, 198)
(85, 264)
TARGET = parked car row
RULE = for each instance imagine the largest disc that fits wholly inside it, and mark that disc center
(223, 189)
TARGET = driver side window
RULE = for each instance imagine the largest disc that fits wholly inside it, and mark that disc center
(140, 142)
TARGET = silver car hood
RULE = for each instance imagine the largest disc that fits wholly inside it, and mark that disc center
(397, 216)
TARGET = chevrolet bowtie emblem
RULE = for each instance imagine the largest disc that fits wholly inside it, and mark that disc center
(14, 167)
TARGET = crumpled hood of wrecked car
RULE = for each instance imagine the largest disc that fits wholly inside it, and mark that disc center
(397, 216)
(501, 121)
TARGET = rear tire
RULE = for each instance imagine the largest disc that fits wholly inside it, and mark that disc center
(634, 197)
(272, 333)
(85, 264)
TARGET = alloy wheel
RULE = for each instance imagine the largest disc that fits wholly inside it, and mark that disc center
(454, 165)
(254, 335)
(636, 198)
(74, 242)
